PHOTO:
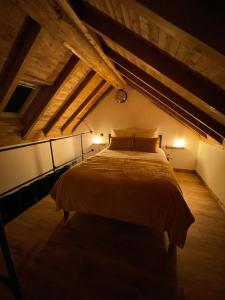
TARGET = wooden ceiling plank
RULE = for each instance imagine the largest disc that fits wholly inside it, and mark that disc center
(92, 102)
(89, 36)
(93, 107)
(66, 129)
(174, 107)
(148, 52)
(207, 49)
(44, 97)
(68, 102)
(60, 21)
(18, 57)
(194, 17)
(165, 91)
(166, 109)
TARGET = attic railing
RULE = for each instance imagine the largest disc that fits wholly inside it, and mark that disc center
(11, 280)
(54, 167)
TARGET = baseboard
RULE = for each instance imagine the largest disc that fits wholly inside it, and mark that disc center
(211, 192)
(185, 170)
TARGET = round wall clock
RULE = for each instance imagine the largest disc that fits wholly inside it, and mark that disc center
(121, 96)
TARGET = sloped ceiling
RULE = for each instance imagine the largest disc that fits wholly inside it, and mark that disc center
(74, 52)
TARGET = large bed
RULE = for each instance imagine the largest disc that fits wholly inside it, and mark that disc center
(132, 186)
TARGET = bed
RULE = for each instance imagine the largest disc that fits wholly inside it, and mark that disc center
(133, 186)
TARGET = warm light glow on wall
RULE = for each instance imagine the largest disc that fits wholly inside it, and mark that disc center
(179, 143)
(97, 140)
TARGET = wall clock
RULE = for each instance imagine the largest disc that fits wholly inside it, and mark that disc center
(121, 96)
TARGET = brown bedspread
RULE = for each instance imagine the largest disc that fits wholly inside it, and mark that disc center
(139, 191)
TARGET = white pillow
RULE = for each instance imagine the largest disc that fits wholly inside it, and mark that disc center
(122, 132)
(145, 133)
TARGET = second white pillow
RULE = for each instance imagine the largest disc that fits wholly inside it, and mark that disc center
(145, 133)
(128, 132)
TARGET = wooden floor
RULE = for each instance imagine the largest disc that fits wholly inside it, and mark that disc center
(92, 258)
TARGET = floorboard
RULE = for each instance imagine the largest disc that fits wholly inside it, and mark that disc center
(92, 258)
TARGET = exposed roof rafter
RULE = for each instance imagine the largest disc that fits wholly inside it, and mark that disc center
(18, 57)
(186, 14)
(58, 18)
(69, 125)
(148, 52)
(164, 101)
(44, 96)
(79, 120)
(125, 66)
(166, 108)
(56, 118)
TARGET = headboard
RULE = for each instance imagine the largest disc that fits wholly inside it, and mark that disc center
(160, 140)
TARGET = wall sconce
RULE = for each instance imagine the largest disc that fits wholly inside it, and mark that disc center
(97, 139)
(179, 143)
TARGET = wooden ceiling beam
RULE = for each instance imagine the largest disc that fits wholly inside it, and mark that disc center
(210, 45)
(79, 120)
(44, 97)
(90, 36)
(195, 17)
(125, 66)
(68, 126)
(58, 18)
(17, 59)
(160, 98)
(166, 108)
(56, 118)
(149, 53)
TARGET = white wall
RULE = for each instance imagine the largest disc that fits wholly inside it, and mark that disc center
(211, 167)
(139, 111)
(66, 149)
(22, 164)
